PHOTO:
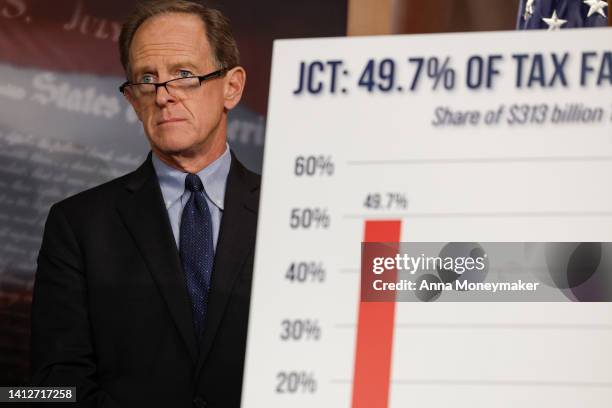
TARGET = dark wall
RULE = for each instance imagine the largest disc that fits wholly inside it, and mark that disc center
(414, 16)
(64, 126)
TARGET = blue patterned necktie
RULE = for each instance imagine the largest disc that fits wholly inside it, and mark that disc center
(196, 249)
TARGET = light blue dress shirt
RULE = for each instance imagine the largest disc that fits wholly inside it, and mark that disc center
(172, 184)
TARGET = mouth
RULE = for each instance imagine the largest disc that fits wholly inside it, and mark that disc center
(171, 120)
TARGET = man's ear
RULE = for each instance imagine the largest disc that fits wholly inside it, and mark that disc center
(134, 104)
(234, 82)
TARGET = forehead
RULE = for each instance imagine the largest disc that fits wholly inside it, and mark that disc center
(168, 38)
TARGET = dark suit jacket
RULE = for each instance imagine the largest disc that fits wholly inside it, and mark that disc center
(111, 313)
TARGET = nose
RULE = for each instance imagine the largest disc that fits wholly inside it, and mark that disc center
(163, 96)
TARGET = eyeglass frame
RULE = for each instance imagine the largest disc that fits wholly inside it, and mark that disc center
(202, 78)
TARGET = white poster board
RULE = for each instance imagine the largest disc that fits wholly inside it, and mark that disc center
(503, 136)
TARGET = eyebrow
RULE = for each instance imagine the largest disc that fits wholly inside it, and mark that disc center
(149, 69)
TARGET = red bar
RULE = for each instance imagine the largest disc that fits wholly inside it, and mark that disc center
(375, 334)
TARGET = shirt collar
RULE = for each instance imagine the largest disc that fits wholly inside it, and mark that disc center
(213, 176)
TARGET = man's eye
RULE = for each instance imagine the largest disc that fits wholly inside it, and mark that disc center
(147, 79)
(183, 73)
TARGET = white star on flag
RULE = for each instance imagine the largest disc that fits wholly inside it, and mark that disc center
(528, 9)
(597, 6)
(554, 22)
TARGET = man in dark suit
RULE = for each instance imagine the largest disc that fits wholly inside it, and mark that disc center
(142, 291)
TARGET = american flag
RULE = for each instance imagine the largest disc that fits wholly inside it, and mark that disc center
(560, 14)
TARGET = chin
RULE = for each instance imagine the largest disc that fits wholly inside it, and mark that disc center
(179, 147)
(172, 144)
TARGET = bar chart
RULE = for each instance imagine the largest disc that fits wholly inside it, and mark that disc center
(392, 159)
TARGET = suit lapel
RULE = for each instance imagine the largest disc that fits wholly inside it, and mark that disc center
(146, 218)
(236, 241)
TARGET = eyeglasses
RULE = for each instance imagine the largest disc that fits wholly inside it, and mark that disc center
(175, 87)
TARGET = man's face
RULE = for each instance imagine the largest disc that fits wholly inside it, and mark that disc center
(169, 46)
